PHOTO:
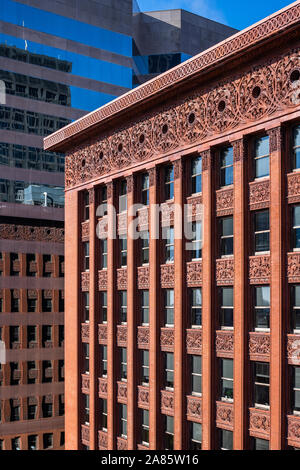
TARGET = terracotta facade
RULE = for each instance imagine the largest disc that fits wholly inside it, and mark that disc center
(240, 94)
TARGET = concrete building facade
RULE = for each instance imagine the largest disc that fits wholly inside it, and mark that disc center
(176, 348)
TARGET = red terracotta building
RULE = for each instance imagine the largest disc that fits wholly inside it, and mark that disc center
(174, 348)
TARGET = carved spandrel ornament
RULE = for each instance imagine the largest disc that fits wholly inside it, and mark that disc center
(194, 408)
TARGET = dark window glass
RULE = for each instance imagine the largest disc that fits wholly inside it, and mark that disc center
(145, 426)
(261, 383)
(86, 306)
(227, 379)
(226, 439)
(261, 157)
(196, 370)
(296, 228)
(169, 433)
(104, 360)
(123, 196)
(226, 310)
(196, 175)
(145, 189)
(295, 389)
(296, 147)
(103, 297)
(123, 363)
(123, 250)
(169, 307)
(196, 436)
(123, 419)
(197, 240)
(104, 253)
(262, 307)
(226, 166)
(123, 306)
(86, 250)
(169, 182)
(169, 370)
(145, 246)
(262, 231)
(226, 232)
(196, 306)
(145, 307)
(295, 302)
(145, 366)
(168, 235)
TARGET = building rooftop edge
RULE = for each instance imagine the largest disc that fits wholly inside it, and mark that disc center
(200, 63)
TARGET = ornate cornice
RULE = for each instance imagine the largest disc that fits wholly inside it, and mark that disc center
(281, 21)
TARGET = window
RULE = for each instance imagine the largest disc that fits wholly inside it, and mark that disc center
(296, 227)
(145, 306)
(295, 303)
(30, 267)
(197, 240)
(61, 301)
(31, 334)
(14, 410)
(145, 189)
(47, 440)
(31, 376)
(104, 199)
(226, 233)
(296, 148)
(16, 443)
(61, 335)
(168, 235)
(226, 439)
(32, 442)
(31, 305)
(14, 335)
(104, 360)
(46, 334)
(169, 370)
(226, 379)
(196, 175)
(226, 307)
(169, 433)
(145, 366)
(260, 444)
(46, 260)
(61, 405)
(61, 365)
(195, 436)
(86, 251)
(123, 196)
(169, 182)
(46, 303)
(123, 306)
(86, 358)
(123, 420)
(47, 372)
(196, 371)
(169, 307)
(262, 307)
(145, 246)
(144, 418)
(226, 166)
(14, 268)
(62, 438)
(262, 231)
(103, 300)
(261, 157)
(295, 402)
(196, 307)
(123, 250)
(31, 410)
(86, 307)
(103, 414)
(86, 406)
(261, 383)
(123, 363)
(14, 302)
(103, 243)
(86, 214)
(15, 373)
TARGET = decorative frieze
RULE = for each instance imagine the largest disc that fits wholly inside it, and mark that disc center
(259, 346)
(224, 415)
(143, 219)
(102, 387)
(167, 402)
(102, 279)
(85, 281)
(31, 233)
(143, 397)
(167, 339)
(121, 443)
(102, 333)
(194, 408)
(122, 335)
(293, 349)
(293, 267)
(259, 194)
(85, 383)
(194, 341)
(143, 337)
(259, 423)
(122, 392)
(195, 208)
(167, 214)
(85, 332)
(224, 202)
(102, 440)
(293, 431)
(122, 278)
(224, 343)
(293, 190)
(122, 223)
(143, 277)
(259, 269)
(85, 230)
(85, 435)
(194, 274)
(167, 276)
(225, 271)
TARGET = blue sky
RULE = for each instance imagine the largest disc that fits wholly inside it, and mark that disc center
(236, 13)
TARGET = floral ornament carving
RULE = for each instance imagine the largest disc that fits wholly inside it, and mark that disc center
(85, 281)
(225, 415)
(293, 187)
(259, 423)
(122, 392)
(293, 349)
(167, 339)
(121, 443)
(294, 430)
(195, 208)
(102, 334)
(102, 387)
(275, 136)
(194, 408)
(194, 274)
(31, 233)
(102, 279)
(121, 335)
(164, 130)
(259, 269)
(259, 195)
(256, 94)
(167, 402)
(287, 83)
(293, 267)
(141, 140)
(85, 332)
(143, 337)
(102, 440)
(259, 346)
(194, 341)
(122, 278)
(167, 276)
(143, 397)
(221, 108)
(239, 150)
(85, 383)
(225, 271)
(192, 118)
(224, 202)
(85, 434)
(224, 343)
(143, 277)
